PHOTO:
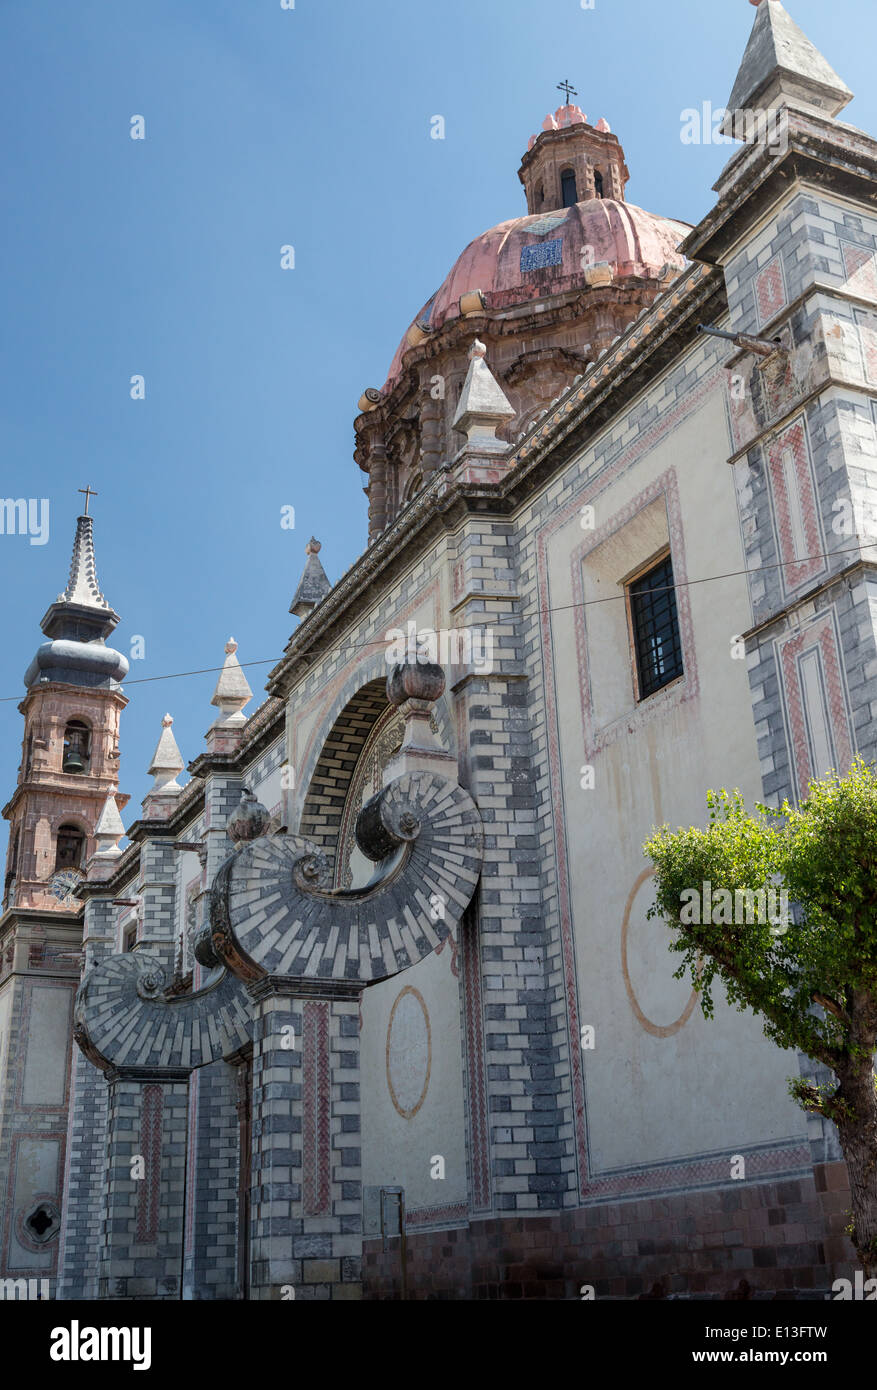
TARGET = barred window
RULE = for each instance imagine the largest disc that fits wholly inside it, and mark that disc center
(655, 628)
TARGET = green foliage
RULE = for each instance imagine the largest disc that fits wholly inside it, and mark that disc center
(825, 854)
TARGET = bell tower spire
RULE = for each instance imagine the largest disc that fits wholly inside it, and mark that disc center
(70, 752)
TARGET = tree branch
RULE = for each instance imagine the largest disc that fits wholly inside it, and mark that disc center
(831, 1006)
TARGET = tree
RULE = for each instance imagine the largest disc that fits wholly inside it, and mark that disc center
(811, 975)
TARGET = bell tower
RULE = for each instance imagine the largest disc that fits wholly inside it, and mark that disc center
(70, 752)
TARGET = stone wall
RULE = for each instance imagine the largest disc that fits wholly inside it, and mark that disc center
(785, 1239)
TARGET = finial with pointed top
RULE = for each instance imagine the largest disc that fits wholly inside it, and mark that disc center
(483, 404)
(82, 586)
(167, 760)
(109, 829)
(781, 67)
(314, 583)
(232, 691)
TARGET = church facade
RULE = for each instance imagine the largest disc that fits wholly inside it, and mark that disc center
(371, 1006)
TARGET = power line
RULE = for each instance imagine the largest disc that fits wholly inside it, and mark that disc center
(559, 608)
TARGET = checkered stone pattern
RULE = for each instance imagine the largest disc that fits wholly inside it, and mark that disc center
(828, 259)
(222, 796)
(142, 1254)
(825, 255)
(833, 450)
(82, 1207)
(213, 1214)
(157, 885)
(850, 669)
(272, 911)
(122, 1018)
(306, 1201)
(841, 625)
(811, 241)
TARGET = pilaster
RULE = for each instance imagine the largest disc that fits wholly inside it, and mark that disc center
(306, 1209)
(147, 1120)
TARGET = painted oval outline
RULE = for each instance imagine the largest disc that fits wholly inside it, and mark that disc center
(656, 1029)
(409, 1114)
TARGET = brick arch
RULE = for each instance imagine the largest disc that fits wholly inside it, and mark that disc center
(333, 772)
(329, 784)
(70, 817)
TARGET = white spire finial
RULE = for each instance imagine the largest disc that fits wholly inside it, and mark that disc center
(232, 691)
(109, 830)
(167, 761)
(483, 404)
(82, 586)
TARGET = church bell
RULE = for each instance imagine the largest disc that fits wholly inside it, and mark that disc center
(73, 760)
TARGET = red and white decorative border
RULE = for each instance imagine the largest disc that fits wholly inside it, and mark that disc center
(191, 1158)
(770, 291)
(149, 1188)
(596, 739)
(479, 1137)
(860, 268)
(316, 1137)
(820, 634)
(796, 570)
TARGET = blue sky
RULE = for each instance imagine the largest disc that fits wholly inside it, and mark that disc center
(161, 257)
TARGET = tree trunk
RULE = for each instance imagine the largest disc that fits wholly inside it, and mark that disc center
(857, 1132)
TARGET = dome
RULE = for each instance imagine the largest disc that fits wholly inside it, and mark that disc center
(549, 253)
(77, 663)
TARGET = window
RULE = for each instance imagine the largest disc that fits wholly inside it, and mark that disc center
(598, 183)
(71, 843)
(655, 628)
(77, 748)
(568, 191)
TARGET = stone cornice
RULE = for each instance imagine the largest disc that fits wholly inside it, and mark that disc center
(38, 916)
(65, 688)
(296, 986)
(820, 151)
(860, 565)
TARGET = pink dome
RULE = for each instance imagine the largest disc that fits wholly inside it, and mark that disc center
(531, 257)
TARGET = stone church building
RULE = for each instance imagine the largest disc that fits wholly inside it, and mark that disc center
(369, 1006)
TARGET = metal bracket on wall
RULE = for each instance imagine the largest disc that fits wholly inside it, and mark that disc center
(399, 1211)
